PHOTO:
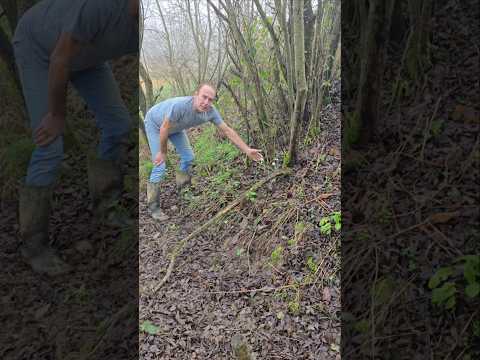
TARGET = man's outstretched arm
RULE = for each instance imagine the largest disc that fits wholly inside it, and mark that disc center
(253, 154)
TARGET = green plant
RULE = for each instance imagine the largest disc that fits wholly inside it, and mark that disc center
(276, 255)
(313, 134)
(436, 127)
(251, 195)
(326, 223)
(471, 272)
(222, 177)
(239, 251)
(325, 226)
(312, 265)
(212, 152)
(363, 235)
(286, 158)
(446, 279)
(173, 227)
(300, 228)
(476, 328)
(384, 289)
(16, 156)
(337, 219)
(292, 242)
(144, 170)
(411, 256)
(149, 328)
(294, 307)
(77, 295)
(352, 130)
(362, 326)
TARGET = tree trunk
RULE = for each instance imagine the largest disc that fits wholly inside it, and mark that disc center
(369, 92)
(327, 69)
(301, 96)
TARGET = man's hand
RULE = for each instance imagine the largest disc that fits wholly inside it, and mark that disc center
(51, 126)
(254, 154)
(159, 159)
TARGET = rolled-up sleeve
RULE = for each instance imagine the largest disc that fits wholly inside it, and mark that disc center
(216, 118)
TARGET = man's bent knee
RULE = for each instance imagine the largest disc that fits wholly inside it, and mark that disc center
(45, 163)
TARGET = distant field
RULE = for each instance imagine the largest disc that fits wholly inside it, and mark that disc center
(158, 82)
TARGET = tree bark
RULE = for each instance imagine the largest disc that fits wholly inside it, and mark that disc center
(299, 50)
(369, 92)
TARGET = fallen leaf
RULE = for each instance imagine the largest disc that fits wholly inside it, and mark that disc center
(41, 312)
(465, 113)
(442, 218)
(326, 296)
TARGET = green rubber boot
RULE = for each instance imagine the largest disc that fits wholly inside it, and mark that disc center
(183, 178)
(34, 214)
(153, 202)
(105, 181)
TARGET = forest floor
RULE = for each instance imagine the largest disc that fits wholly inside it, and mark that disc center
(411, 208)
(82, 314)
(269, 270)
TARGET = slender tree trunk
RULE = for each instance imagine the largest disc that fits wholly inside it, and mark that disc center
(299, 50)
(369, 94)
(281, 7)
(328, 65)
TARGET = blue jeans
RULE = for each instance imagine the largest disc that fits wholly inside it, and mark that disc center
(96, 86)
(179, 140)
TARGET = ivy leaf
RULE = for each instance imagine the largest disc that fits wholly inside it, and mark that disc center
(442, 294)
(361, 326)
(472, 289)
(472, 268)
(450, 304)
(442, 274)
(149, 328)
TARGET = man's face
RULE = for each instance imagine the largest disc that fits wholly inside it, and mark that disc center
(204, 98)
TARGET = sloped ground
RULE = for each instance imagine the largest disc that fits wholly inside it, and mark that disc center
(413, 208)
(80, 315)
(234, 279)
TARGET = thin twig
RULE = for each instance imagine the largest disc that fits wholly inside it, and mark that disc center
(265, 289)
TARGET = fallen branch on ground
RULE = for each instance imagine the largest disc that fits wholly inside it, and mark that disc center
(112, 322)
(178, 249)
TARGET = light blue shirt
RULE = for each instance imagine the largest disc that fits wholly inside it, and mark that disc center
(181, 114)
(105, 27)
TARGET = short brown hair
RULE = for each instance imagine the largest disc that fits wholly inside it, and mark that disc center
(206, 83)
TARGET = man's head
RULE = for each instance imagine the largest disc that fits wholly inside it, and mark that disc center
(203, 97)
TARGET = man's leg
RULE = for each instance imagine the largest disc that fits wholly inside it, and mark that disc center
(35, 194)
(45, 160)
(153, 137)
(157, 174)
(98, 88)
(184, 150)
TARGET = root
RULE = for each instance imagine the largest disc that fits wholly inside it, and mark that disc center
(178, 249)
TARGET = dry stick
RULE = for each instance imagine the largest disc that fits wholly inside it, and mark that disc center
(111, 323)
(178, 249)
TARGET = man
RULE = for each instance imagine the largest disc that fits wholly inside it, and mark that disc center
(57, 41)
(169, 120)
